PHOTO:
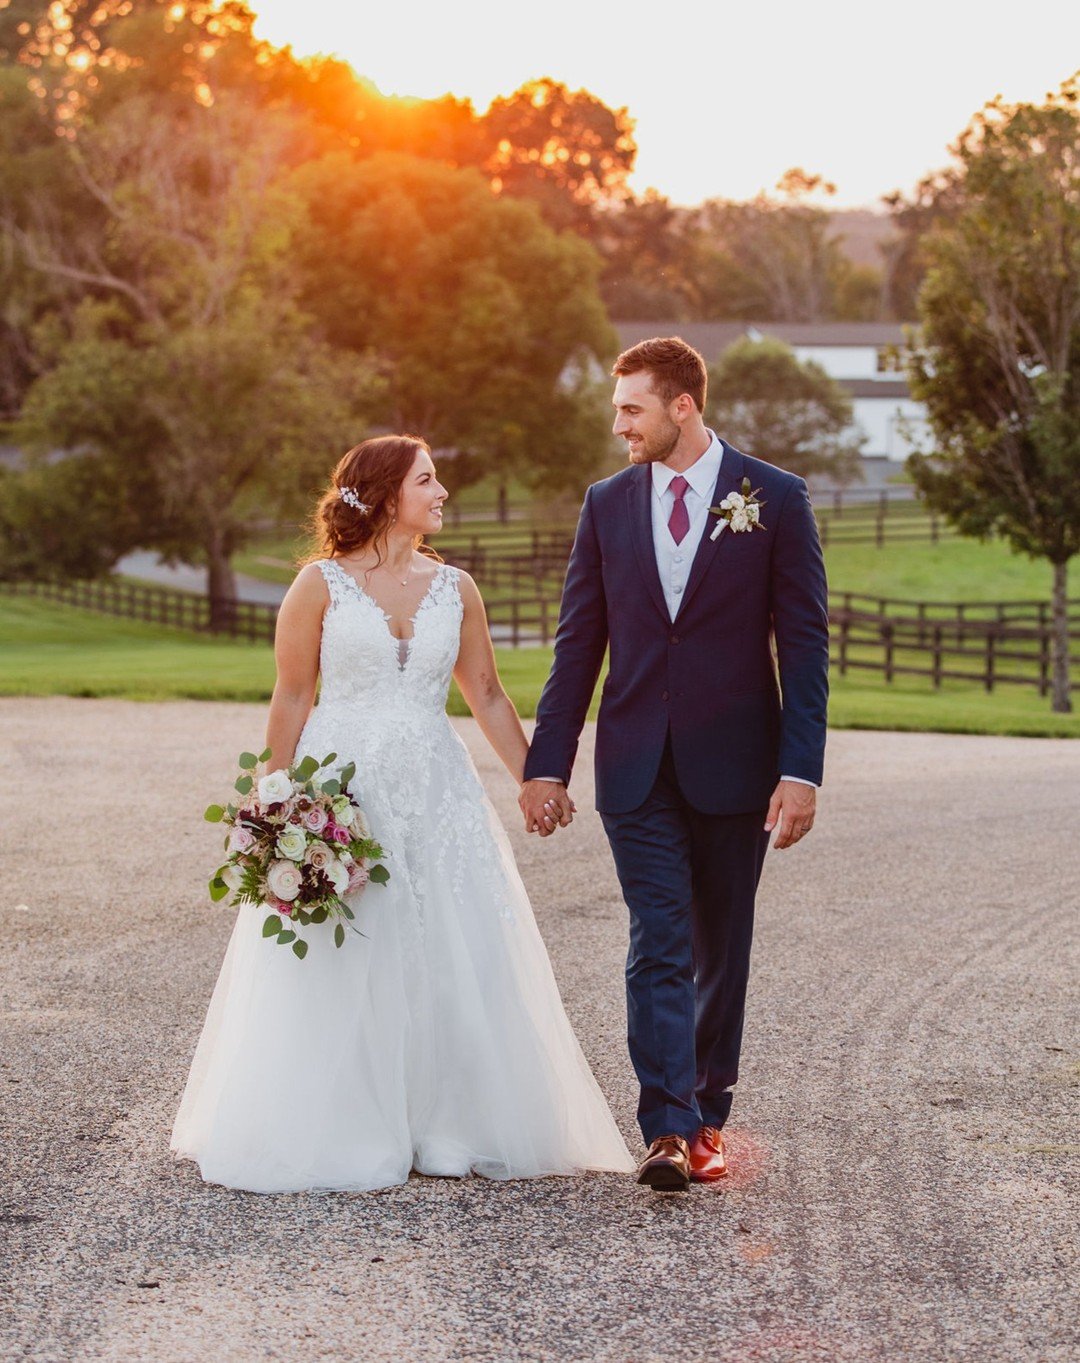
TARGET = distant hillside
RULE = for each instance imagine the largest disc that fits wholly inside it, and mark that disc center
(862, 232)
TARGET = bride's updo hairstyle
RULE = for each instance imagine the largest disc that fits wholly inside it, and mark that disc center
(357, 509)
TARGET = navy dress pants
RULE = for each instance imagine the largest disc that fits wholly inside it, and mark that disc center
(689, 881)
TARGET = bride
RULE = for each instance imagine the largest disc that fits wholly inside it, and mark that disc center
(437, 1041)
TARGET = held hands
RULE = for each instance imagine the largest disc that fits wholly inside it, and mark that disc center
(791, 811)
(546, 806)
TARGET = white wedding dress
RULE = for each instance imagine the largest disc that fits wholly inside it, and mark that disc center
(436, 1042)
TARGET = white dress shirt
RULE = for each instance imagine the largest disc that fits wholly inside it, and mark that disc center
(674, 561)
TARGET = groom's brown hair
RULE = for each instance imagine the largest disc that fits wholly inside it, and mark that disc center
(673, 366)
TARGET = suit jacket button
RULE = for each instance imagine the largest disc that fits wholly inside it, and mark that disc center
(664, 696)
(674, 638)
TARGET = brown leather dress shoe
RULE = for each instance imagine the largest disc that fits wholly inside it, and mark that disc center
(708, 1161)
(667, 1165)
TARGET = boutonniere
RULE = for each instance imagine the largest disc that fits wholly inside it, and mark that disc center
(740, 510)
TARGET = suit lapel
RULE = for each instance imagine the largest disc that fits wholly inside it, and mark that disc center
(731, 476)
(639, 505)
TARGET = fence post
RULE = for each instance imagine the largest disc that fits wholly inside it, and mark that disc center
(887, 635)
(991, 637)
(1044, 656)
(845, 626)
(936, 665)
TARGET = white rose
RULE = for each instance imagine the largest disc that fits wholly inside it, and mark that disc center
(292, 842)
(283, 880)
(360, 828)
(753, 512)
(739, 520)
(232, 876)
(338, 875)
(735, 500)
(275, 787)
(725, 505)
(343, 810)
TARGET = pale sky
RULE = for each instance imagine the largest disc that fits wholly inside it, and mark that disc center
(726, 95)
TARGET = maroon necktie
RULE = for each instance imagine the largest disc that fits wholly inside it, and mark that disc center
(679, 523)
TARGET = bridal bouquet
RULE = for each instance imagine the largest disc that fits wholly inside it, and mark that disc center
(298, 843)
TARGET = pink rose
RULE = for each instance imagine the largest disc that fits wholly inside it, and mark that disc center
(241, 839)
(278, 905)
(358, 877)
(315, 819)
(338, 833)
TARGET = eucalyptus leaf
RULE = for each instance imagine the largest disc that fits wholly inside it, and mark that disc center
(307, 768)
(286, 936)
(331, 787)
(244, 784)
(339, 935)
(379, 875)
(303, 916)
(347, 912)
(327, 760)
(272, 925)
(214, 814)
(264, 756)
(318, 915)
(347, 773)
(218, 889)
(248, 761)
(300, 949)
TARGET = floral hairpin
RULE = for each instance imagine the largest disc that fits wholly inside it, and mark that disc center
(349, 497)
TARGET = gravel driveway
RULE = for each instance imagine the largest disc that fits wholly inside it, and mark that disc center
(902, 1140)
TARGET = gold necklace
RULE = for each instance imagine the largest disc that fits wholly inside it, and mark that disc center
(404, 581)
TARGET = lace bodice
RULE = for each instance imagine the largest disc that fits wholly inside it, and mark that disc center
(361, 661)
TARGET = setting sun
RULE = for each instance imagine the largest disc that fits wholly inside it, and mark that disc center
(723, 106)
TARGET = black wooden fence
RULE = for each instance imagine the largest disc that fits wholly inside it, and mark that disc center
(992, 643)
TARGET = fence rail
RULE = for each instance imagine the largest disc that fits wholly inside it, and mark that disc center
(996, 650)
(992, 643)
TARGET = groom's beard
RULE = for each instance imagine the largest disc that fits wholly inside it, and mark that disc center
(656, 448)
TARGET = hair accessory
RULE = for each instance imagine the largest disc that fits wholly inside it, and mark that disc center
(349, 497)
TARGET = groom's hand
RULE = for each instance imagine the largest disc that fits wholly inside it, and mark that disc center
(546, 806)
(791, 812)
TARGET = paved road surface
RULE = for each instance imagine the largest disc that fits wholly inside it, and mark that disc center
(903, 1139)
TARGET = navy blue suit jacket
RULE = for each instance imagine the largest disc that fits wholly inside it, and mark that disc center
(711, 676)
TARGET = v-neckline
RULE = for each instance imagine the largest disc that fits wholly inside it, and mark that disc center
(366, 596)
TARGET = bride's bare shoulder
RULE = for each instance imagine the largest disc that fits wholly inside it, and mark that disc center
(309, 587)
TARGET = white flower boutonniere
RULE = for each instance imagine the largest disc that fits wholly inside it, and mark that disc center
(740, 510)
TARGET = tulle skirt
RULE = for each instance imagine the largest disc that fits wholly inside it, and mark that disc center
(436, 1042)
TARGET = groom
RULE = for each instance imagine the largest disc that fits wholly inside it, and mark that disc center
(711, 730)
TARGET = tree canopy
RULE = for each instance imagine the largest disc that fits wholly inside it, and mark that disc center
(783, 410)
(999, 361)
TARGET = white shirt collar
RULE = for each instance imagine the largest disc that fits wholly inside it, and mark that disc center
(701, 475)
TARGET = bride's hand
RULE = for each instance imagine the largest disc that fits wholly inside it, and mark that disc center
(546, 805)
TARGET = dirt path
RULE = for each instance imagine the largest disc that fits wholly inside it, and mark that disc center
(903, 1136)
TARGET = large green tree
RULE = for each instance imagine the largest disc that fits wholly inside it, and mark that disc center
(481, 318)
(183, 368)
(999, 363)
(786, 411)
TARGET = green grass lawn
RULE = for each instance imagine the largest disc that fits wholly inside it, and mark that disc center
(48, 649)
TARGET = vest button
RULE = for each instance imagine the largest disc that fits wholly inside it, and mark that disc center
(674, 638)
(664, 696)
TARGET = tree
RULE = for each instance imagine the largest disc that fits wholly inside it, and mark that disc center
(773, 258)
(998, 366)
(564, 149)
(787, 412)
(478, 315)
(186, 370)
